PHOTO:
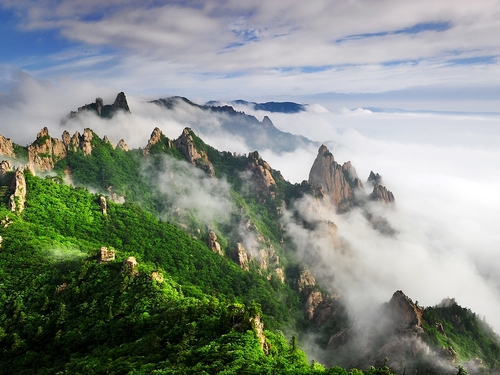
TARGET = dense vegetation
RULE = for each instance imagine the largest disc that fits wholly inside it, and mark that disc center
(184, 309)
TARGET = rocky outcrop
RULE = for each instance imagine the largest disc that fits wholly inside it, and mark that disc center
(86, 141)
(120, 103)
(403, 311)
(155, 138)
(18, 186)
(101, 110)
(45, 151)
(305, 280)
(105, 255)
(258, 328)
(185, 144)
(5, 166)
(381, 194)
(104, 205)
(106, 140)
(122, 145)
(241, 257)
(129, 266)
(6, 147)
(261, 176)
(331, 176)
(375, 179)
(213, 244)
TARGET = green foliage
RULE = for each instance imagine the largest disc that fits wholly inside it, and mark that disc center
(468, 335)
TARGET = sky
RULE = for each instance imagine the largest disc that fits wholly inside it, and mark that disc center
(409, 89)
(434, 55)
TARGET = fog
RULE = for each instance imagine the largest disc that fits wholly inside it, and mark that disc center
(442, 168)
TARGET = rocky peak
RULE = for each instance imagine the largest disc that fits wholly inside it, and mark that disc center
(267, 124)
(6, 147)
(153, 139)
(185, 144)
(380, 193)
(261, 176)
(18, 186)
(374, 178)
(101, 110)
(351, 175)
(120, 102)
(403, 311)
(45, 151)
(86, 141)
(328, 174)
(105, 139)
(213, 244)
(122, 145)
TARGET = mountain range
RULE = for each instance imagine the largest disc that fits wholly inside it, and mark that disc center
(178, 258)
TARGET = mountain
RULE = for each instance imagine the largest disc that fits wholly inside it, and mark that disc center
(177, 258)
(258, 135)
(273, 107)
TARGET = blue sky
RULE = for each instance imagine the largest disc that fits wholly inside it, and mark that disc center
(356, 53)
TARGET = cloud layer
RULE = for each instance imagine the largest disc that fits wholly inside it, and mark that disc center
(217, 49)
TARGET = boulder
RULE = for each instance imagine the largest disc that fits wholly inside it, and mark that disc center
(241, 257)
(129, 266)
(213, 244)
(106, 255)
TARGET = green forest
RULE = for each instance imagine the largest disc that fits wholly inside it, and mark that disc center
(181, 308)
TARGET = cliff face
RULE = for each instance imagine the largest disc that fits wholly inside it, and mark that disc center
(6, 147)
(185, 144)
(331, 176)
(45, 151)
(261, 177)
(18, 186)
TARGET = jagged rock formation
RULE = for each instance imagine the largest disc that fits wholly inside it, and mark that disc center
(18, 186)
(380, 193)
(305, 280)
(121, 145)
(337, 181)
(105, 255)
(45, 151)
(6, 147)
(86, 141)
(258, 328)
(104, 205)
(185, 144)
(101, 110)
(105, 139)
(241, 257)
(213, 244)
(403, 311)
(155, 138)
(5, 166)
(261, 177)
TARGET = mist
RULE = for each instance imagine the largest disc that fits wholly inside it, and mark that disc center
(442, 168)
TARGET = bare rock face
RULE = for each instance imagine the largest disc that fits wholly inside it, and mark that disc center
(351, 175)
(86, 141)
(104, 205)
(122, 145)
(375, 178)
(280, 274)
(74, 142)
(241, 257)
(258, 328)
(45, 151)
(153, 139)
(185, 144)
(5, 166)
(381, 194)
(403, 311)
(6, 147)
(106, 140)
(262, 179)
(18, 185)
(213, 244)
(305, 280)
(328, 174)
(120, 103)
(106, 255)
(313, 300)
